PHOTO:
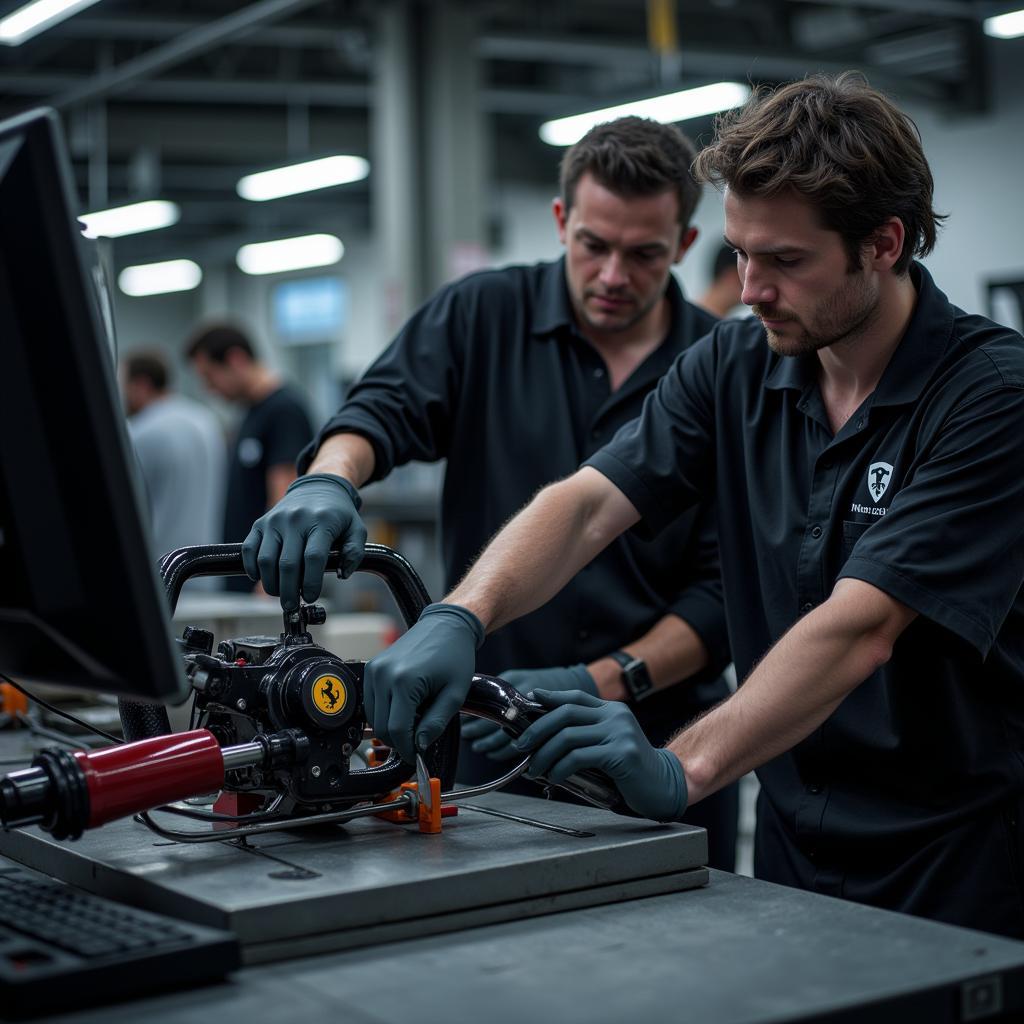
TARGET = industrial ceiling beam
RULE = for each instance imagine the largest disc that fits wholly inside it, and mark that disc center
(720, 62)
(159, 29)
(201, 90)
(207, 37)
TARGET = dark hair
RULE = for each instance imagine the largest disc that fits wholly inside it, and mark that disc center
(633, 156)
(725, 259)
(151, 366)
(843, 146)
(216, 340)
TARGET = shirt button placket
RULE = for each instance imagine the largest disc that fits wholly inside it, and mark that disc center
(810, 584)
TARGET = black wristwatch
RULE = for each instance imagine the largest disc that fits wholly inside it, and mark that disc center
(634, 675)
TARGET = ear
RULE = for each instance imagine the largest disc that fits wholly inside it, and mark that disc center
(561, 214)
(886, 244)
(689, 236)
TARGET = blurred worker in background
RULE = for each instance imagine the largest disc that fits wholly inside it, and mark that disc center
(274, 428)
(515, 376)
(180, 449)
(722, 297)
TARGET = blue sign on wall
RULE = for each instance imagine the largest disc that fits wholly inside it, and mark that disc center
(309, 309)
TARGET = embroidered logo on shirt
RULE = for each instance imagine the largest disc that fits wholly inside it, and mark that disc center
(879, 475)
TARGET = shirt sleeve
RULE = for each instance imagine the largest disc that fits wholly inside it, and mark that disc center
(951, 545)
(663, 460)
(403, 404)
(289, 432)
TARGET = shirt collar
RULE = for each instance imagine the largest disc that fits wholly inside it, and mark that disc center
(922, 347)
(912, 364)
(553, 311)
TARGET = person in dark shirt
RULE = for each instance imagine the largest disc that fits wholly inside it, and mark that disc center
(863, 437)
(274, 428)
(515, 376)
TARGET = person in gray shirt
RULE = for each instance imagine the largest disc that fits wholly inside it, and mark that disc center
(181, 452)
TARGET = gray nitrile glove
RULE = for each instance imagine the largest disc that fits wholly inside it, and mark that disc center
(583, 732)
(491, 739)
(287, 547)
(425, 672)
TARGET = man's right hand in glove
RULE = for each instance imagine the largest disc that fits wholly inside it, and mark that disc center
(412, 690)
(287, 547)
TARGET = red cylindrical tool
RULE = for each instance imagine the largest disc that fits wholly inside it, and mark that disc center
(138, 776)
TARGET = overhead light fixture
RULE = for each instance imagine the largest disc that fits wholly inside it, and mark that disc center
(289, 254)
(304, 177)
(33, 18)
(676, 106)
(131, 219)
(160, 278)
(1005, 26)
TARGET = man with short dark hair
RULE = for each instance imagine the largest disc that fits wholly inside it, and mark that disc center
(863, 436)
(180, 450)
(515, 376)
(274, 429)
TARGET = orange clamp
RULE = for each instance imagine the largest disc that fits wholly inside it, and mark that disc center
(429, 818)
(13, 701)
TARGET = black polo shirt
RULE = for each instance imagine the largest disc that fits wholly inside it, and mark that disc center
(493, 375)
(921, 493)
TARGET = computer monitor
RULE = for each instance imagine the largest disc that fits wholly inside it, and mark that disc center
(81, 603)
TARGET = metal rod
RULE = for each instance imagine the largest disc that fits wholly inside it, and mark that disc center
(488, 787)
(243, 756)
(563, 829)
(403, 803)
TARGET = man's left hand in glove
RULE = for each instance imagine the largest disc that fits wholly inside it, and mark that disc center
(580, 731)
(490, 739)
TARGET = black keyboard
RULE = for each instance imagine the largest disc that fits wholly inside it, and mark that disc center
(61, 947)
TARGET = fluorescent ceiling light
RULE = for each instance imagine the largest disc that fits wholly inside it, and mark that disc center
(159, 278)
(289, 254)
(1005, 26)
(131, 219)
(676, 106)
(36, 17)
(287, 181)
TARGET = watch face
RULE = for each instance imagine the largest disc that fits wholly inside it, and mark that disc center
(637, 679)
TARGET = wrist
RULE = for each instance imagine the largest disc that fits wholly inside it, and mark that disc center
(457, 613)
(346, 485)
(584, 680)
(678, 794)
(607, 676)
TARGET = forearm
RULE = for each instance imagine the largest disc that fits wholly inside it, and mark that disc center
(672, 651)
(346, 455)
(797, 685)
(278, 479)
(565, 526)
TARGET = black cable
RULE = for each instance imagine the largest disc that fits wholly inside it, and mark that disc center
(57, 711)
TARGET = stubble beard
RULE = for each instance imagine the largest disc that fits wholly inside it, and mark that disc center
(844, 316)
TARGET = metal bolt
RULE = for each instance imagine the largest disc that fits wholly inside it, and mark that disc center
(315, 771)
(240, 704)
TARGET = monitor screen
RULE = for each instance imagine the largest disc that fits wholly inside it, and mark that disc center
(309, 309)
(81, 602)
